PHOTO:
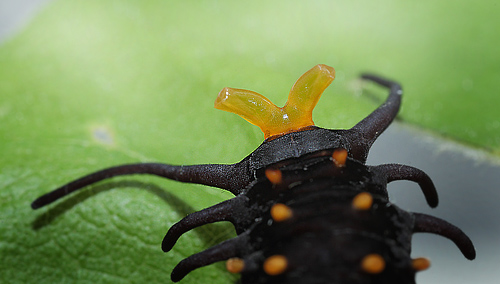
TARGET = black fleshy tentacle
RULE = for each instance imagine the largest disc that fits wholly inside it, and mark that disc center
(430, 224)
(369, 129)
(223, 251)
(394, 172)
(231, 177)
(224, 211)
(374, 124)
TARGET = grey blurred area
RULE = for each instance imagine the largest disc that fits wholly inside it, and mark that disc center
(467, 180)
(16, 14)
(468, 183)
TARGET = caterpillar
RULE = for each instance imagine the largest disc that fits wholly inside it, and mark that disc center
(307, 209)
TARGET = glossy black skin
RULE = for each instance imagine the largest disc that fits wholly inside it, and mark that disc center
(326, 238)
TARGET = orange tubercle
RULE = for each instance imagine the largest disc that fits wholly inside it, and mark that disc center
(275, 265)
(373, 264)
(274, 176)
(339, 157)
(280, 212)
(273, 120)
(235, 265)
(362, 201)
(421, 263)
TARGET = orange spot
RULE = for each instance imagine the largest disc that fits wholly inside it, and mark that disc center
(274, 176)
(273, 120)
(362, 201)
(421, 263)
(275, 265)
(280, 212)
(373, 263)
(235, 265)
(339, 157)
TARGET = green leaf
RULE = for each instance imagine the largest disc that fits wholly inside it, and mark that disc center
(91, 84)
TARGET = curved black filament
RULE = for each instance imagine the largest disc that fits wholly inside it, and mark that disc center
(228, 177)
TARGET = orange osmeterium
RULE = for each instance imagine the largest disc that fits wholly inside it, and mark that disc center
(273, 120)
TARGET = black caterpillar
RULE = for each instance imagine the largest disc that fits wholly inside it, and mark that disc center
(307, 208)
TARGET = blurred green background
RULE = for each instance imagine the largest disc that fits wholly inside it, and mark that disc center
(90, 84)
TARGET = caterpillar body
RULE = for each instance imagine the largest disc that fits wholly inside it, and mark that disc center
(306, 208)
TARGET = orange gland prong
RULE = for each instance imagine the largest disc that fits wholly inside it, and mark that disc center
(339, 157)
(373, 264)
(273, 120)
(362, 201)
(275, 265)
(235, 265)
(420, 263)
(280, 212)
(274, 176)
